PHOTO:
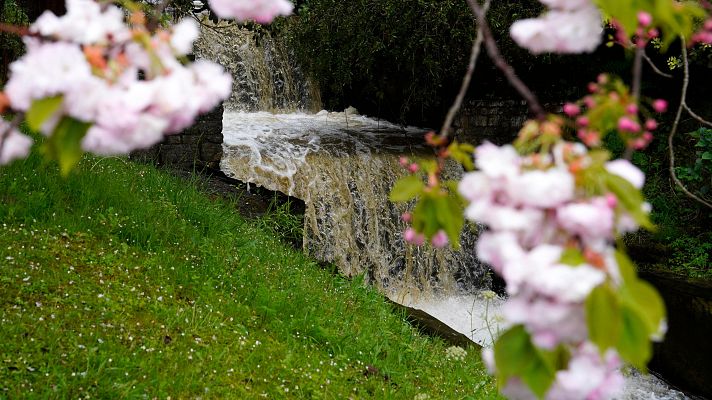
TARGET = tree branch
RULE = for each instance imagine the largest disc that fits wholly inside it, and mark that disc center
(637, 71)
(696, 116)
(474, 55)
(673, 131)
(655, 68)
(494, 53)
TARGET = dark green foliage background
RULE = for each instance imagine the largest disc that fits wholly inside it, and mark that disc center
(399, 59)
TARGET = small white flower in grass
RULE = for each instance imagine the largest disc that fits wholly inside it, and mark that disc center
(455, 353)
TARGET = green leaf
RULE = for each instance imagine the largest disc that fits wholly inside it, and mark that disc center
(571, 256)
(41, 110)
(65, 143)
(603, 317)
(631, 199)
(642, 298)
(516, 356)
(625, 266)
(450, 217)
(634, 344)
(407, 188)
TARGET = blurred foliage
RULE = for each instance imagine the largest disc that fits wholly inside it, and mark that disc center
(395, 58)
(11, 46)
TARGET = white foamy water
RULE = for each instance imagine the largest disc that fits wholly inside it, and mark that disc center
(478, 317)
(278, 144)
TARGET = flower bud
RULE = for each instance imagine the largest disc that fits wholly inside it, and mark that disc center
(651, 124)
(413, 168)
(660, 105)
(407, 217)
(440, 239)
(571, 109)
(644, 19)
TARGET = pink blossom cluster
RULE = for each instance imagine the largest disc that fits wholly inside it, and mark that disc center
(621, 107)
(257, 10)
(569, 26)
(127, 82)
(705, 34)
(537, 211)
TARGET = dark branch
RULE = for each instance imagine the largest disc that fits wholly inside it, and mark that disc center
(474, 55)
(501, 63)
(673, 131)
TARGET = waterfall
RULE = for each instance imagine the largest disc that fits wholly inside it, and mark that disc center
(265, 74)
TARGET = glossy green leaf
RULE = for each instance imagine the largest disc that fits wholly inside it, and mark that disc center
(65, 143)
(407, 188)
(41, 110)
(603, 317)
(633, 344)
(516, 356)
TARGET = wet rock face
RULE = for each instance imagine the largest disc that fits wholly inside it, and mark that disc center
(343, 168)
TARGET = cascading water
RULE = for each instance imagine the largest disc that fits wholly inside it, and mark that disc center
(343, 166)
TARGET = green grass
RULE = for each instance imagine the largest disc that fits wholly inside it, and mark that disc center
(124, 282)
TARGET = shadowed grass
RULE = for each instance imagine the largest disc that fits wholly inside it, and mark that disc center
(124, 282)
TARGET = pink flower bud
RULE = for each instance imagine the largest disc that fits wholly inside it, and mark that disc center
(413, 168)
(647, 136)
(651, 124)
(592, 87)
(602, 79)
(708, 25)
(409, 235)
(589, 101)
(626, 124)
(440, 239)
(660, 105)
(571, 109)
(653, 33)
(407, 217)
(582, 121)
(611, 200)
(631, 109)
(644, 19)
(639, 144)
(403, 161)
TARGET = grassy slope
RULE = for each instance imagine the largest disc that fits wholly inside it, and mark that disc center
(124, 282)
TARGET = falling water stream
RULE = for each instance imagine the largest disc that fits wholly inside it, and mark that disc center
(342, 165)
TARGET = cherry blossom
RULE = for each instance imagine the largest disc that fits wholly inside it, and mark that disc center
(569, 27)
(14, 145)
(261, 11)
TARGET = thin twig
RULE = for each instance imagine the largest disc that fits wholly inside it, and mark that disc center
(637, 71)
(673, 131)
(696, 116)
(655, 68)
(474, 55)
(501, 63)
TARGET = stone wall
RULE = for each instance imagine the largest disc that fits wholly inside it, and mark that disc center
(496, 120)
(199, 146)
